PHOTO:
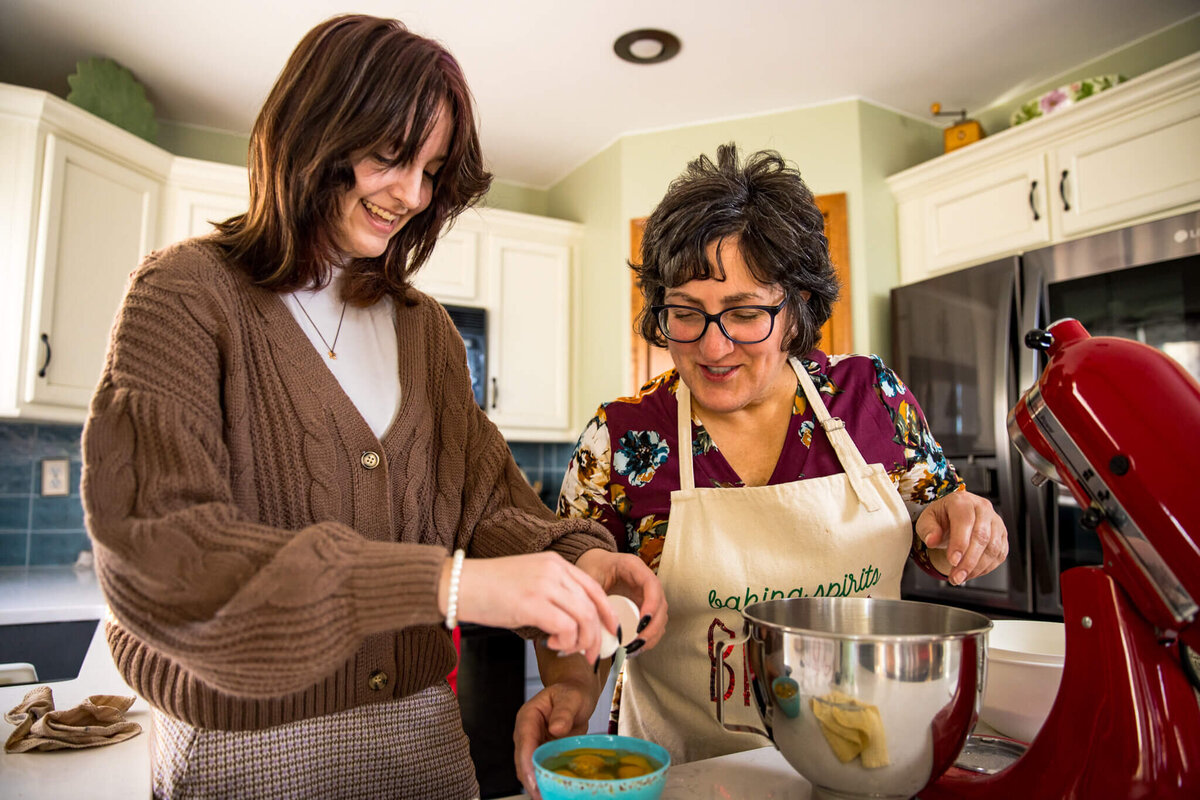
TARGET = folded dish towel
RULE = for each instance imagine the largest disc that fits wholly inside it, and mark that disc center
(97, 721)
(853, 729)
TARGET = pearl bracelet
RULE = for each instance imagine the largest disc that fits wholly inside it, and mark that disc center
(452, 594)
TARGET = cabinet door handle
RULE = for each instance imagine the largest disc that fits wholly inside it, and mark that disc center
(1033, 205)
(495, 392)
(1062, 190)
(46, 363)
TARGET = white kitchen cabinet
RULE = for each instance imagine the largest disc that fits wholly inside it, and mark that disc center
(520, 269)
(452, 272)
(1129, 168)
(1124, 156)
(96, 220)
(1003, 208)
(199, 193)
(80, 202)
(529, 338)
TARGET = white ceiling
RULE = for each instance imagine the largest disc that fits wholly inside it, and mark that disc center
(550, 92)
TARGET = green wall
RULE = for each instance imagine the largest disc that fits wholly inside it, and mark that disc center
(591, 194)
(889, 143)
(208, 144)
(518, 197)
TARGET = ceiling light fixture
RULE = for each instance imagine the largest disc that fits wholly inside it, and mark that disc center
(647, 46)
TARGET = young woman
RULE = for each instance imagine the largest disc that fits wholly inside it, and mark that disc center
(285, 467)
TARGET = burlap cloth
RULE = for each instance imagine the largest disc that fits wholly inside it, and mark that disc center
(97, 721)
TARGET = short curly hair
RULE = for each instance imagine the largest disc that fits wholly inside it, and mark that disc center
(781, 232)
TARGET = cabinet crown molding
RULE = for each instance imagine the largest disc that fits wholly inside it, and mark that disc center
(68, 121)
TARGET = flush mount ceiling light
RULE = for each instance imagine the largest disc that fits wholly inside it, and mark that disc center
(647, 46)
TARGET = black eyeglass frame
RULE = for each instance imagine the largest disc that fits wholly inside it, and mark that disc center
(711, 318)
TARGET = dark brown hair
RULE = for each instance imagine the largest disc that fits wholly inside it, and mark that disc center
(781, 233)
(354, 83)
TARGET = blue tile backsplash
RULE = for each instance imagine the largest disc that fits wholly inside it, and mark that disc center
(544, 463)
(48, 531)
(36, 530)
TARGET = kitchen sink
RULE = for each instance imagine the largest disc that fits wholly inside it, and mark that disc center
(41, 652)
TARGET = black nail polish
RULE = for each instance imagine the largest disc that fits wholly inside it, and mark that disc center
(634, 646)
(642, 625)
(618, 633)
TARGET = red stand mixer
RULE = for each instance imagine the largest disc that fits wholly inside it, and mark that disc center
(1117, 423)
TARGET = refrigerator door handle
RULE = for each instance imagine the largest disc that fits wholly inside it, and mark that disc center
(1045, 560)
(1006, 473)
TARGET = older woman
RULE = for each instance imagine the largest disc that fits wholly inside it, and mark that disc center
(291, 492)
(758, 468)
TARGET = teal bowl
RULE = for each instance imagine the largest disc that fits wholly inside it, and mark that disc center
(559, 787)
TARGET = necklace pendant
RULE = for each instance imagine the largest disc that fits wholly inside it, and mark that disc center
(332, 355)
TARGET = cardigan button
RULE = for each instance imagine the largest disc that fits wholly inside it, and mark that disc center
(377, 680)
(369, 459)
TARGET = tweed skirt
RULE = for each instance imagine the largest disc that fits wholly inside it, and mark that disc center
(409, 748)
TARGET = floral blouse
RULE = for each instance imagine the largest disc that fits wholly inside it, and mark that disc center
(625, 467)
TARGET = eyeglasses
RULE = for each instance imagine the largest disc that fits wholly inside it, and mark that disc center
(740, 324)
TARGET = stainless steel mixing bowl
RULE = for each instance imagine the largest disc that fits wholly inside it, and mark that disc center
(899, 680)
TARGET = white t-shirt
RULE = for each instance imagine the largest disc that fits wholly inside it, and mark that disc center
(367, 364)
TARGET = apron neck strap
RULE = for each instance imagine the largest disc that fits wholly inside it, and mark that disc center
(856, 467)
(683, 396)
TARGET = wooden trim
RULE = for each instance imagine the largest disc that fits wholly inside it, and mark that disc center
(837, 334)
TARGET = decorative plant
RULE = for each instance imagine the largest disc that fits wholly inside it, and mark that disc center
(108, 90)
(1063, 96)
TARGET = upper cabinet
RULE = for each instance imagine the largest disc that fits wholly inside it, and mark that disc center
(81, 202)
(200, 193)
(1123, 156)
(96, 219)
(452, 272)
(520, 269)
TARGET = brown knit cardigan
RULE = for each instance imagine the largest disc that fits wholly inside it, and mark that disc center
(258, 571)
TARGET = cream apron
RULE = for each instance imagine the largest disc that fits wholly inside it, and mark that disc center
(842, 535)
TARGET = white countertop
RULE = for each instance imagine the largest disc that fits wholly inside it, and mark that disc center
(114, 772)
(49, 594)
(122, 771)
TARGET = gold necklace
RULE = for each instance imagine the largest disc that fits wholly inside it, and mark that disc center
(330, 348)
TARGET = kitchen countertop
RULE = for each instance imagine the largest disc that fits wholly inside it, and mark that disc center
(122, 771)
(114, 772)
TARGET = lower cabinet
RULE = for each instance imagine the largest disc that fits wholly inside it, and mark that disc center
(491, 689)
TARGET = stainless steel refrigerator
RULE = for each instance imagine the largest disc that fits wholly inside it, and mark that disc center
(958, 342)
